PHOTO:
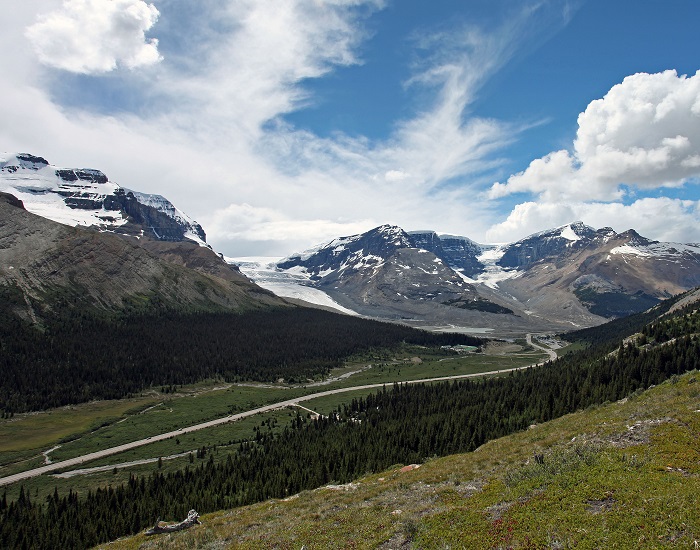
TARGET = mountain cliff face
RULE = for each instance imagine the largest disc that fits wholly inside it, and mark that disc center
(555, 243)
(570, 276)
(86, 197)
(381, 264)
(459, 253)
(608, 274)
(350, 254)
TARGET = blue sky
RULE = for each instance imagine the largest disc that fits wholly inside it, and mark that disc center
(284, 123)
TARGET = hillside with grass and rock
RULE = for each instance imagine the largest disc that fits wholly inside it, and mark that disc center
(619, 475)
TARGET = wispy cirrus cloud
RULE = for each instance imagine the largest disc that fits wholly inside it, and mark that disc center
(442, 140)
(210, 130)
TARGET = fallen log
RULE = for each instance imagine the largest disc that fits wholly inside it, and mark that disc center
(160, 527)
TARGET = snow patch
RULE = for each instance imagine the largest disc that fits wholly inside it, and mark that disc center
(569, 234)
(493, 273)
(657, 250)
(631, 250)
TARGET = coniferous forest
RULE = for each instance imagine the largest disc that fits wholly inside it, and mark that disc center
(80, 357)
(399, 425)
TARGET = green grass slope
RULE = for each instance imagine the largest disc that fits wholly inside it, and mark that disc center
(622, 475)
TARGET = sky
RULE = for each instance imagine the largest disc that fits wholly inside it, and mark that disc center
(281, 124)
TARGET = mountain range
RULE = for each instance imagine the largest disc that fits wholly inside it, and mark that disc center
(123, 247)
(567, 277)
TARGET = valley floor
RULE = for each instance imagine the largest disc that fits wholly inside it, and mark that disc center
(130, 435)
(294, 402)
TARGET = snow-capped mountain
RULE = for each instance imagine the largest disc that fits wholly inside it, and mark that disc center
(350, 254)
(86, 197)
(573, 275)
(385, 273)
(547, 244)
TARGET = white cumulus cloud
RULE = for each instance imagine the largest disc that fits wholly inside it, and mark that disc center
(96, 36)
(644, 133)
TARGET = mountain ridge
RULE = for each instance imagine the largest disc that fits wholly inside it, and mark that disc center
(570, 275)
(53, 265)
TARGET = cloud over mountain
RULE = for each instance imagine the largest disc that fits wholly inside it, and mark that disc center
(644, 134)
(269, 118)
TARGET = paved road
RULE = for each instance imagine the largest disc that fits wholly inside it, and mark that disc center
(552, 354)
(77, 461)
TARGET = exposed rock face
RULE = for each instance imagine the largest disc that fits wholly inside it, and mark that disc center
(382, 273)
(555, 243)
(459, 253)
(606, 273)
(405, 274)
(11, 200)
(85, 174)
(571, 276)
(30, 162)
(349, 254)
(158, 224)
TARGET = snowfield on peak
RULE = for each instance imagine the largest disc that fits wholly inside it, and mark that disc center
(86, 197)
(657, 249)
(493, 273)
(44, 190)
(569, 234)
(160, 203)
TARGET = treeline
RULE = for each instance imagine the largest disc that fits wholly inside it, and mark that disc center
(405, 424)
(80, 357)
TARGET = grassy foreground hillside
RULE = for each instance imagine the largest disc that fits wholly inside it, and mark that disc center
(621, 475)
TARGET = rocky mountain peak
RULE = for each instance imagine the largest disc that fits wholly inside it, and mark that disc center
(556, 242)
(635, 239)
(370, 248)
(86, 197)
(29, 162)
